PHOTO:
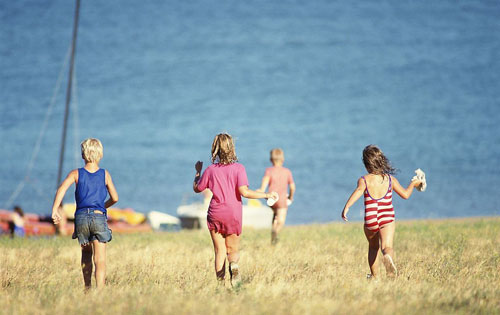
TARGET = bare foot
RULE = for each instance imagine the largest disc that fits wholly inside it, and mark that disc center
(390, 267)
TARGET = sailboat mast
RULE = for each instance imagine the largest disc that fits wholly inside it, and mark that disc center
(68, 92)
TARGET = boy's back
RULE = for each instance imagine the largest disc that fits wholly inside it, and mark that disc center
(279, 179)
(91, 191)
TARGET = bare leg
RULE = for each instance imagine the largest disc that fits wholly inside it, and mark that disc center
(274, 236)
(278, 223)
(220, 254)
(386, 240)
(373, 247)
(233, 255)
(233, 245)
(87, 265)
(100, 263)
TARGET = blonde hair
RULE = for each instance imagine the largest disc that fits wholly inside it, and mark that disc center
(91, 150)
(376, 162)
(277, 154)
(223, 150)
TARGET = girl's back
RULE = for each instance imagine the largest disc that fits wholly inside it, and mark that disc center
(377, 185)
(223, 181)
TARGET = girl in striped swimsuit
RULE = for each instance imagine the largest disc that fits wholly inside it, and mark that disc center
(377, 187)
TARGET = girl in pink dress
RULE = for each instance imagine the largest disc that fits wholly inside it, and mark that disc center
(227, 180)
(377, 187)
(279, 179)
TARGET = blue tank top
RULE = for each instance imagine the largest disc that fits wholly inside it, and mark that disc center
(91, 191)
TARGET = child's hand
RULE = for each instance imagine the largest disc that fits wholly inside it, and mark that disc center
(56, 217)
(274, 195)
(417, 182)
(198, 166)
(344, 214)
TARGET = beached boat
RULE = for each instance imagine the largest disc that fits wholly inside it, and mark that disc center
(127, 215)
(122, 221)
(125, 228)
(160, 221)
(125, 220)
(255, 215)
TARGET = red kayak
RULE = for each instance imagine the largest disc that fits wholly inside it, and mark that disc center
(34, 225)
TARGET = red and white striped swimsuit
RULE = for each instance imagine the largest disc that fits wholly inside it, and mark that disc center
(378, 212)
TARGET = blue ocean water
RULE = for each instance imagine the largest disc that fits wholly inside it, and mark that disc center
(156, 80)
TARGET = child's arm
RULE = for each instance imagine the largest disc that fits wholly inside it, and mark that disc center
(252, 194)
(291, 192)
(404, 193)
(61, 191)
(265, 182)
(198, 167)
(357, 193)
(113, 195)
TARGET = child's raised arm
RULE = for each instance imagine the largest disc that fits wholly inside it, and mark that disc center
(113, 195)
(61, 191)
(404, 193)
(357, 193)
(198, 167)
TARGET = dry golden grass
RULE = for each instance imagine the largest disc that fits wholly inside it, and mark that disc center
(449, 266)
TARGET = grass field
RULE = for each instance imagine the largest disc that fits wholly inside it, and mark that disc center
(448, 266)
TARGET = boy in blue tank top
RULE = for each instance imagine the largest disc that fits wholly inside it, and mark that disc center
(91, 228)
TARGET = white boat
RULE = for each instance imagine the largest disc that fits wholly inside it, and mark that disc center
(160, 221)
(255, 215)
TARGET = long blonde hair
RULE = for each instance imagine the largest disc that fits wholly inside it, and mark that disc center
(223, 150)
(376, 162)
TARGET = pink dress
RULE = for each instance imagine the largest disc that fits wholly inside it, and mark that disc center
(279, 179)
(225, 209)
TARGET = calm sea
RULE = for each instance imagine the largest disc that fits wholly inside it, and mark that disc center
(156, 80)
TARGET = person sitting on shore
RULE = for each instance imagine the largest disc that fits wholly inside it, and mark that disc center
(279, 179)
(91, 228)
(17, 228)
(377, 187)
(228, 182)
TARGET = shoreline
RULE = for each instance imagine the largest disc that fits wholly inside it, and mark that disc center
(406, 221)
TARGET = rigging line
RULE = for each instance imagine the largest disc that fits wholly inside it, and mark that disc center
(76, 122)
(38, 143)
(68, 92)
(16, 192)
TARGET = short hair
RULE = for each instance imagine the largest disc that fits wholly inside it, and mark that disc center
(277, 154)
(223, 150)
(91, 150)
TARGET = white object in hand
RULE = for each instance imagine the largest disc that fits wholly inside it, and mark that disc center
(421, 177)
(272, 201)
(288, 202)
